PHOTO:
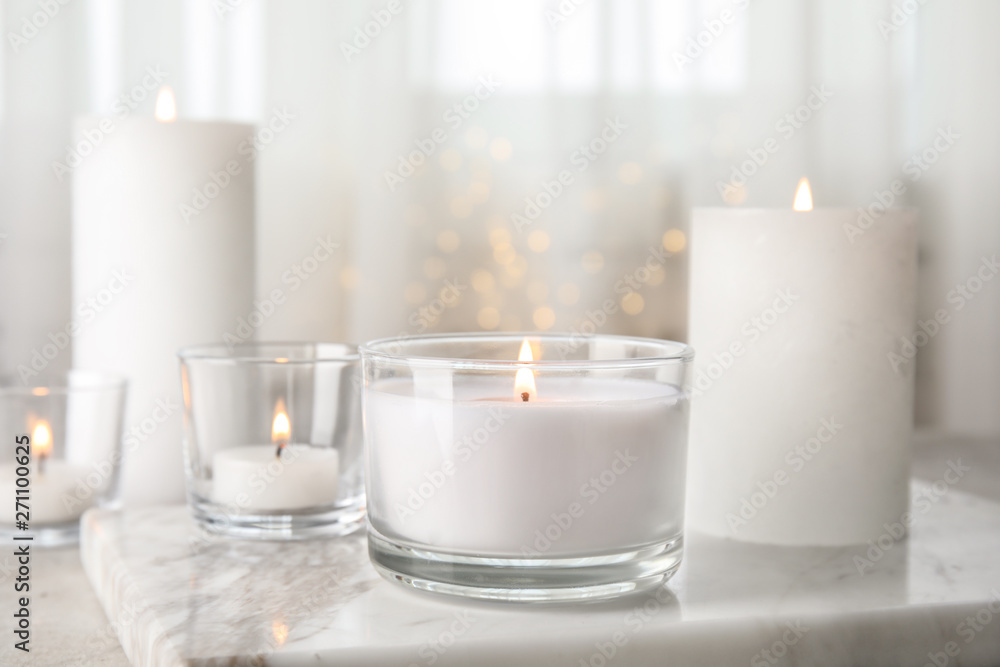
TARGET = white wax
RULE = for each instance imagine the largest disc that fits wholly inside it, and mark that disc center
(53, 497)
(146, 282)
(251, 477)
(792, 325)
(459, 468)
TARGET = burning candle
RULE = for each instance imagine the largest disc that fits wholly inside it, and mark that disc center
(52, 497)
(801, 421)
(543, 459)
(163, 254)
(280, 476)
(524, 382)
(41, 444)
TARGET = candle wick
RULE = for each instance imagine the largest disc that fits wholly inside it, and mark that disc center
(281, 448)
(41, 464)
(524, 396)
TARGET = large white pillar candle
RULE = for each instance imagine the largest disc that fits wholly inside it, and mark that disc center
(801, 415)
(163, 216)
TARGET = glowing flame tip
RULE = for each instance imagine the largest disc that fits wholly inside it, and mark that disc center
(803, 196)
(166, 105)
(524, 382)
(41, 439)
(281, 427)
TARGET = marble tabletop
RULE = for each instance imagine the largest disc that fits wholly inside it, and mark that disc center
(177, 598)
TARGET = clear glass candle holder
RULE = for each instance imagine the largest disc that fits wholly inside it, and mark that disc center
(272, 438)
(529, 467)
(62, 455)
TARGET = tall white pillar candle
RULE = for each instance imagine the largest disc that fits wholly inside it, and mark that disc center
(802, 400)
(163, 252)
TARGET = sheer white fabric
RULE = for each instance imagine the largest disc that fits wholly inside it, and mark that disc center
(690, 86)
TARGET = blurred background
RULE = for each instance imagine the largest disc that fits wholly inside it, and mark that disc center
(855, 93)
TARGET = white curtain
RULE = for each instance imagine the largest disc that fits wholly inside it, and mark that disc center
(681, 89)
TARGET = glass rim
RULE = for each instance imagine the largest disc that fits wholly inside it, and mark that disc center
(684, 353)
(225, 353)
(62, 384)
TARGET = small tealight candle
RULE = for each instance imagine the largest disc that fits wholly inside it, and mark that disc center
(279, 476)
(52, 495)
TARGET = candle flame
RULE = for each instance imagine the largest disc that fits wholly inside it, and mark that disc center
(281, 428)
(166, 105)
(524, 382)
(803, 196)
(41, 439)
(40, 391)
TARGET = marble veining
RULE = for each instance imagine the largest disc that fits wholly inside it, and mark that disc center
(179, 597)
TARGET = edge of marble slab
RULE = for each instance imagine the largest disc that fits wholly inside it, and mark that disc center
(143, 638)
(875, 635)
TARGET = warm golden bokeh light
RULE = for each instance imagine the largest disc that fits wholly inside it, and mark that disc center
(482, 280)
(504, 253)
(488, 317)
(544, 318)
(538, 241)
(674, 240)
(633, 303)
(499, 236)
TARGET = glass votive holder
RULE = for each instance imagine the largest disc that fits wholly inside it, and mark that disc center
(528, 467)
(272, 439)
(62, 455)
